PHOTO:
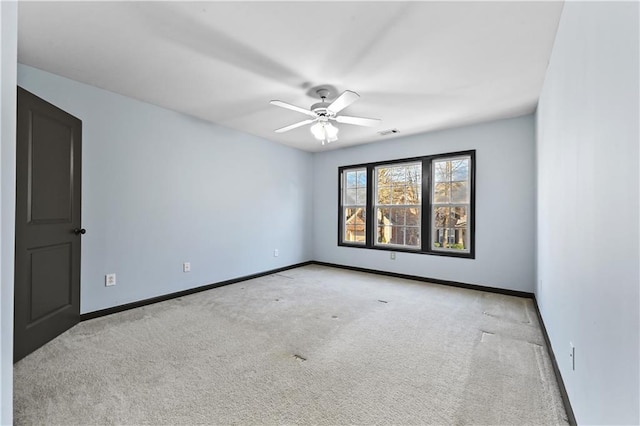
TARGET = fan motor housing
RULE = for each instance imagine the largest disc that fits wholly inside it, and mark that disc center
(321, 109)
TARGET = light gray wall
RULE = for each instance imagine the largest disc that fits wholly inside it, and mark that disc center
(8, 55)
(588, 255)
(505, 212)
(160, 188)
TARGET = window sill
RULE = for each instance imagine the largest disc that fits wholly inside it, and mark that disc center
(398, 249)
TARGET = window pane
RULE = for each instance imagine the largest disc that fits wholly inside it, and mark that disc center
(355, 224)
(384, 234)
(350, 197)
(442, 193)
(414, 173)
(450, 228)
(440, 238)
(459, 192)
(355, 216)
(349, 233)
(354, 234)
(441, 217)
(458, 217)
(383, 216)
(412, 236)
(351, 179)
(397, 195)
(397, 216)
(451, 170)
(397, 235)
(355, 187)
(460, 239)
(414, 184)
(362, 178)
(402, 174)
(398, 174)
(412, 193)
(442, 171)
(460, 170)
(450, 238)
(413, 216)
(384, 195)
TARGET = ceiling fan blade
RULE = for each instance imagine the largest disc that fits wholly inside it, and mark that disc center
(293, 107)
(358, 121)
(344, 100)
(293, 126)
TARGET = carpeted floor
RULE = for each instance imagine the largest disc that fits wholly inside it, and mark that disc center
(312, 345)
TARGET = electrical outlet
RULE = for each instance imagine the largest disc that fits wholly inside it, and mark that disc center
(186, 267)
(275, 253)
(109, 280)
(572, 356)
(392, 256)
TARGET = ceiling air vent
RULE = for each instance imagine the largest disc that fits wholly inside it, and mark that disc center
(388, 132)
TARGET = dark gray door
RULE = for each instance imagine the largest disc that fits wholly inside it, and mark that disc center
(48, 229)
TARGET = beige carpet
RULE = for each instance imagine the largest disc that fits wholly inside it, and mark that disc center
(312, 345)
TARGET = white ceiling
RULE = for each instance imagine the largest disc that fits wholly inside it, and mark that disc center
(418, 66)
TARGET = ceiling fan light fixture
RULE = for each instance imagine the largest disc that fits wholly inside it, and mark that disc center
(325, 132)
(323, 111)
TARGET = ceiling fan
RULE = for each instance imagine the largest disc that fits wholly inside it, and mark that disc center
(324, 112)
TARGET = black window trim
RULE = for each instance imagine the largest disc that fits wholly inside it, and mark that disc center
(426, 161)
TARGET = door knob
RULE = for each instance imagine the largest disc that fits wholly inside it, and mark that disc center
(79, 231)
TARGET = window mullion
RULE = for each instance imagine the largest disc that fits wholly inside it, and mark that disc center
(426, 206)
(370, 210)
(341, 219)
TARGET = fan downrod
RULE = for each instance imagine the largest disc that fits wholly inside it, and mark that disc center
(320, 108)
